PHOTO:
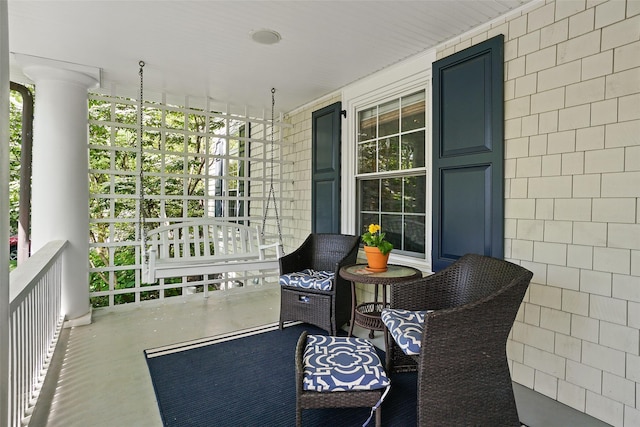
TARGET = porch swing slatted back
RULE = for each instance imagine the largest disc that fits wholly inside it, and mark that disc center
(206, 246)
(197, 239)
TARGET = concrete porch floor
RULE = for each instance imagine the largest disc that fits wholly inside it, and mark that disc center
(99, 376)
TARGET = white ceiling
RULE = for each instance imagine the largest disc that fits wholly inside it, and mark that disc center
(203, 48)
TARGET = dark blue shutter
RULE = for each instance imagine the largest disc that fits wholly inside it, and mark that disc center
(325, 169)
(468, 153)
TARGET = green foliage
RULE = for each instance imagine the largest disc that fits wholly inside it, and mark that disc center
(15, 151)
(115, 173)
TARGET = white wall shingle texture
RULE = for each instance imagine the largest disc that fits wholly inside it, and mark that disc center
(572, 201)
(572, 143)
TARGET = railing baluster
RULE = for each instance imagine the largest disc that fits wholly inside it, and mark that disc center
(35, 318)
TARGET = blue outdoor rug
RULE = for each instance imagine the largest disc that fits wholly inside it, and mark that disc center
(248, 379)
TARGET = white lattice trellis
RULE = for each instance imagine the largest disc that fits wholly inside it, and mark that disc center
(197, 162)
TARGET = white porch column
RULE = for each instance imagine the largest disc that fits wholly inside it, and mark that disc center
(60, 207)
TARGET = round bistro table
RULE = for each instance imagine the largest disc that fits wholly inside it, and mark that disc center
(367, 314)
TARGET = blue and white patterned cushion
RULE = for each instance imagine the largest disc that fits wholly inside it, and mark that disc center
(341, 364)
(405, 327)
(321, 280)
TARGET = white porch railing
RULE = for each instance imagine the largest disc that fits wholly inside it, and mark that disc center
(35, 321)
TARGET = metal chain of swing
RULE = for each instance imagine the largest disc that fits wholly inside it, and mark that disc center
(143, 219)
(271, 190)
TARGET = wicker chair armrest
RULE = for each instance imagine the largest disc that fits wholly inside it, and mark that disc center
(481, 326)
(342, 286)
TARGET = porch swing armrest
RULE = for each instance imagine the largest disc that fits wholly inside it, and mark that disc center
(149, 265)
(277, 245)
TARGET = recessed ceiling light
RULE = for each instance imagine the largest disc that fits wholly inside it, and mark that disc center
(265, 36)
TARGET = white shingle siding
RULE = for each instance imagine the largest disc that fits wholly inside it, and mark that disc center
(576, 302)
(608, 410)
(544, 361)
(572, 190)
(572, 143)
(584, 376)
(571, 395)
(568, 347)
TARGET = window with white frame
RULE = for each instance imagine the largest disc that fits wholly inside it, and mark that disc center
(391, 175)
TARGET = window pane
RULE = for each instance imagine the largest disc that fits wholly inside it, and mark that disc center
(398, 204)
(369, 195)
(392, 227)
(413, 150)
(392, 138)
(391, 195)
(414, 234)
(415, 194)
(366, 219)
(388, 154)
(367, 124)
(367, 157)
(413, 112)
(389, 121)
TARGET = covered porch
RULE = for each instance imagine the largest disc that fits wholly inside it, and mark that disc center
(571, 122)
(102, 364)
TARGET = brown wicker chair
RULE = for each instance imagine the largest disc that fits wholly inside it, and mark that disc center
(328, 310)
(463, 376)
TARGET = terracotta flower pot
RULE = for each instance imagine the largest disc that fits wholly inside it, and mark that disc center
(377, 262)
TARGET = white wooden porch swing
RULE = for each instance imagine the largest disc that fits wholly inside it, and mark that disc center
(209, 245)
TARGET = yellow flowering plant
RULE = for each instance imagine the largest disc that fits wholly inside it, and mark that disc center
(375, 237)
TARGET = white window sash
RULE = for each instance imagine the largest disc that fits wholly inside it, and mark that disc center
(400, 80)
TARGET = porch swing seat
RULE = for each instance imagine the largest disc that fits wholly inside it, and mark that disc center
(206, 246)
